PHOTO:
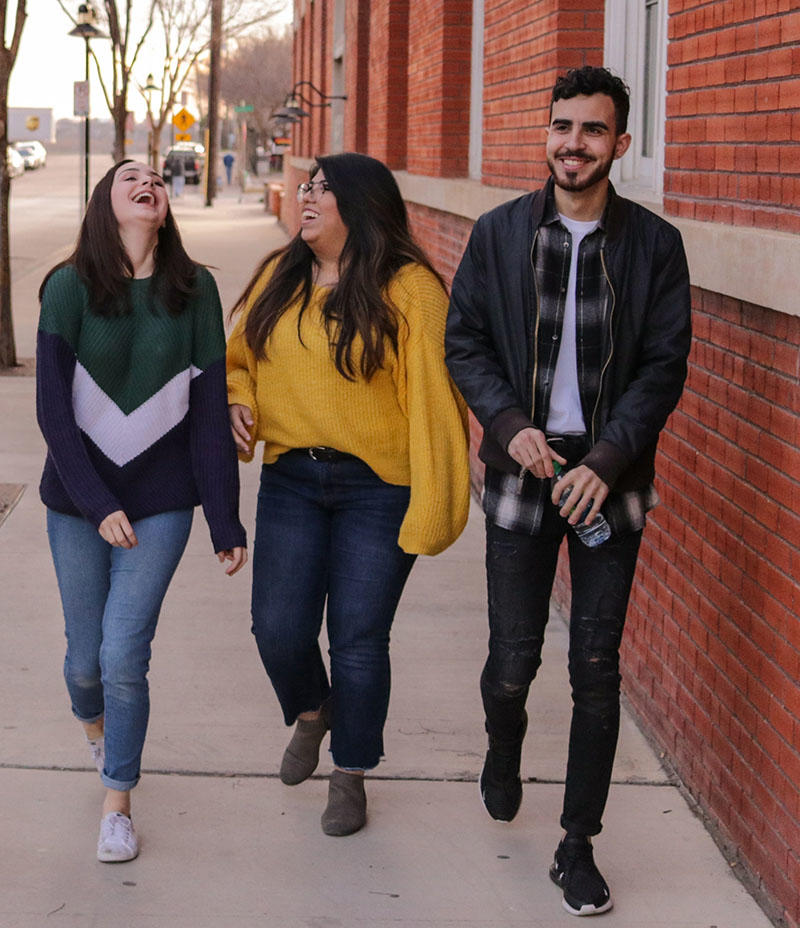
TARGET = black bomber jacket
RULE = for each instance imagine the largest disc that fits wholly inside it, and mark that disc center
(492, 321)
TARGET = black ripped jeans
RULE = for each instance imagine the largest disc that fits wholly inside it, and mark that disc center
(520, 571)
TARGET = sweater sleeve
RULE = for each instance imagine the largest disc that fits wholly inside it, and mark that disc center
(241, 364)
(213, 452)
(242, 375)
(437, 421)
(62, 307)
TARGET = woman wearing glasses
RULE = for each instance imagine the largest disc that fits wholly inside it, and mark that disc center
(337, 364)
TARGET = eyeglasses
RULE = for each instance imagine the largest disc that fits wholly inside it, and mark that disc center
(313, 189)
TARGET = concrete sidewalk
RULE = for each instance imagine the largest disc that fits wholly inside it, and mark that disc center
(223, 843)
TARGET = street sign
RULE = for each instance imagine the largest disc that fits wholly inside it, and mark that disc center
(183, 120)
(244, 108)
(183, 136)
(80, 106)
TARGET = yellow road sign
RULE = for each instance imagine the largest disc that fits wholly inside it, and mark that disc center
(183, 119)
(183, 136)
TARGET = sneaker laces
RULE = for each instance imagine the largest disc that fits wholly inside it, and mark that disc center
(118, 827)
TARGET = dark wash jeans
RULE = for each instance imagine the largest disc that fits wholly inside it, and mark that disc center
(520, 571)
(326, 532)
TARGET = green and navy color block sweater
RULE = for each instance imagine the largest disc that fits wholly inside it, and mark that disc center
(134, 408)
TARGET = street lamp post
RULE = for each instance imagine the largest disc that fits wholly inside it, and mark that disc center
(85, 29)
(148, 89)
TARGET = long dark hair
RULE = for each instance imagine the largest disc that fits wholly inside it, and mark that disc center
(105, 267)
(378, 244)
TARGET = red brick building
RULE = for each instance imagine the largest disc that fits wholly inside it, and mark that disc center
(453, 95)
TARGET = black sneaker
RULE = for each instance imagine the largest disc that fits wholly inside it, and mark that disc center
(574, 870)
(501, 787)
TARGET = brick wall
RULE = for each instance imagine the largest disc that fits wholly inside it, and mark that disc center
(439, 48)
(526, 45)
(444, 236)
(357, 83)
(387, 133)
(321, 59)
(304, 42)
(733, 113)
(712, 645)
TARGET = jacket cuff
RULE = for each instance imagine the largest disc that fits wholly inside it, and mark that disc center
(607, 461)
(507, 424)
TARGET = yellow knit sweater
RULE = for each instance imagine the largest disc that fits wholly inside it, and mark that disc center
(408, 423)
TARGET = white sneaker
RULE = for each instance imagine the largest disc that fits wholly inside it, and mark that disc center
(98, 749)
(117, 841)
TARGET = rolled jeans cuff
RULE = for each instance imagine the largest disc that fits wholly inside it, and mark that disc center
(89, 721)
(122, 786)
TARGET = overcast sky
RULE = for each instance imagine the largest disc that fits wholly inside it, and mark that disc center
(50, 61)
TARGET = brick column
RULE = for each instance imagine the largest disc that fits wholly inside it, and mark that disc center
(733, 130)
(438, 87)
(388, 72)
(357, 30)
(527, 45)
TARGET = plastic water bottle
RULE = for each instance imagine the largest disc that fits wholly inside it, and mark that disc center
(593, 534)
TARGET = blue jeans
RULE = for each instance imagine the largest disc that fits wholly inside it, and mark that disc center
(520, 571)
(111, 599)
(326, 531)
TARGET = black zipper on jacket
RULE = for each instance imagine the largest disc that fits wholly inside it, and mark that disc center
(523, 470)
(604, 368)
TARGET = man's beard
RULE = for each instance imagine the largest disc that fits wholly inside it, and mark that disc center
(568, 180)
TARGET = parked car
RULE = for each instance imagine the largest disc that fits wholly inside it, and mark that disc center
(191, 159)
(15, 162)
(34, 154)
(191, 146)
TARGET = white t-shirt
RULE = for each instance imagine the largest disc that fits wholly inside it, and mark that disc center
(565, 416)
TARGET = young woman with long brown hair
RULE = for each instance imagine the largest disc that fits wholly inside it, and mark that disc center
(131, 401)
(337, 364)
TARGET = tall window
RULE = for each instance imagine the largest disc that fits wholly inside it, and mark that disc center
(635, 48)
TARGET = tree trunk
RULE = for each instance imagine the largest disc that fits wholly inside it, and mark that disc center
(120, 115)
(213, 101)
(155, 146)
(8, 351)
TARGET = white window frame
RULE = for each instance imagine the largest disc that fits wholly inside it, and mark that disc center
(476, 92)
(337, 106)
(637, 175)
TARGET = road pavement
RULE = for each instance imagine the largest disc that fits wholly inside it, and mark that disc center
(223, 843)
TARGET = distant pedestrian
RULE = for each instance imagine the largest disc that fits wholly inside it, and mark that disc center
(227, 160)
(337, 364)
(178, 176)
(131, 402)
(568, 334)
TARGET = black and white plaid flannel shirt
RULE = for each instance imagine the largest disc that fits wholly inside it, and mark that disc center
(516, 503)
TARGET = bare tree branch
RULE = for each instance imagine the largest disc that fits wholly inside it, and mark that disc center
(114, 81)
(185, 34)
